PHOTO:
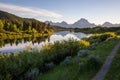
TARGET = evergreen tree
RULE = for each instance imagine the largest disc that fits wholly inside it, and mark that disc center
(1, 25)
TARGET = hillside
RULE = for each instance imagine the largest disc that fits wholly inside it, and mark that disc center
(24, 23)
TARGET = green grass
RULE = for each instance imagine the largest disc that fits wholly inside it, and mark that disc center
(103, 49)
(71, 72)
(114, 71)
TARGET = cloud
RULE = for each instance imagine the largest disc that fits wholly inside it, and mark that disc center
(28, 11)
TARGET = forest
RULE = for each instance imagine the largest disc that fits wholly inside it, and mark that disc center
(14, 26)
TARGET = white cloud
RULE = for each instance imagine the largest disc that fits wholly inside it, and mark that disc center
(28, 11)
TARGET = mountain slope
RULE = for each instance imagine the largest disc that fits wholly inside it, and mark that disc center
(108, 24)
(82, 23)
(15, 23)
(62, 24)
(9, 16)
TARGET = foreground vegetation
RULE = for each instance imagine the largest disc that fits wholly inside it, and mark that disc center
(82, 68)
(23, 65)
(68, 58)
(114, 71)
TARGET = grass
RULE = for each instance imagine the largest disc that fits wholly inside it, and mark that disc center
(114, 71)
(71, 72)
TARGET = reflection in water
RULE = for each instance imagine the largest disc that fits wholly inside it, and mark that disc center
(14, 45)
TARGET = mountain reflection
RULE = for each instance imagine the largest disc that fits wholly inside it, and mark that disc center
(15, 45)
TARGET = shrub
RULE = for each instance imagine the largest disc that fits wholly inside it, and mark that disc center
(31, 74)
(49, 66)
(92, 47)
(27, 63)
(83, 53)
(97, 38)
(84, 43)
(59, 50)
(81, 66)
(67, 61)
(94, 62)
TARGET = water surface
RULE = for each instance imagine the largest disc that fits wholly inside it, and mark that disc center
(15, 45)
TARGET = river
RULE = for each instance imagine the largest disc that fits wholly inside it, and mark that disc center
(16, 45)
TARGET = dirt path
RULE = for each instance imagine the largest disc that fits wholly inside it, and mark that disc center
(100, 75)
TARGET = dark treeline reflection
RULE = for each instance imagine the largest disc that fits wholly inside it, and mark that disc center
(23, 40)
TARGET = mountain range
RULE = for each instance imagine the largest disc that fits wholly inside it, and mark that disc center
(82, 23)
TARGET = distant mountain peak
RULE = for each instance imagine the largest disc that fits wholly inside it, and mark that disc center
(63, 22)
(83, 23)
(108, 24)
(83, 19)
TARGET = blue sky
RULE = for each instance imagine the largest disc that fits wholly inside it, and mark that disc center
(96, 11)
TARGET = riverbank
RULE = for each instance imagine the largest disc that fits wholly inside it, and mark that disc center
(18, 35)
(98, 29)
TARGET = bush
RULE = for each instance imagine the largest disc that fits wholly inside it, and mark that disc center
(24, 65)
(59, 50)
(31, 74)
(67, 61)
(16, 65)
(49, 66)
(83, 53)
(92, 47)
(94, 62)
(97, 38)
(81, 66)
(84, 43)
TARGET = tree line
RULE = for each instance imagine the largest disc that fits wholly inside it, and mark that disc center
(30, 25)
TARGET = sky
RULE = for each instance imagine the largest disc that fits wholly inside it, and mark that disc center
(95, 11)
